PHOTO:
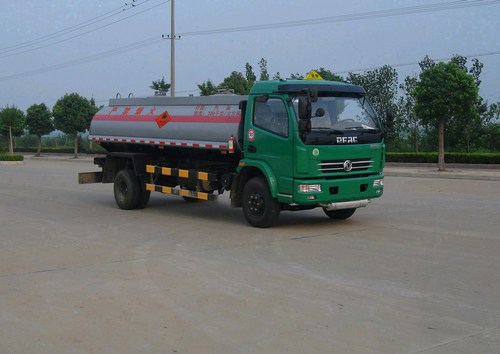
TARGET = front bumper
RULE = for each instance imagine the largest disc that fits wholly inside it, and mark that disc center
(339, 190)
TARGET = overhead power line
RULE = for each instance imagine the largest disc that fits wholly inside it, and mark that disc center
(449, 5)
(64, 31)
(117, 51)
(367, 15)
(15, 50)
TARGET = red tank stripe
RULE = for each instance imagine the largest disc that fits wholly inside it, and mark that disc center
(176, 119)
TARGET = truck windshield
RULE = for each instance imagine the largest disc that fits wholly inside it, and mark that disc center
(343, 113)
(342, 116)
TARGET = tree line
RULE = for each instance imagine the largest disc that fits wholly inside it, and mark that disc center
(71, 114)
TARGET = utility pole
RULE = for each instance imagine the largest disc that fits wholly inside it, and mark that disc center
(172, 38)
(172, 50)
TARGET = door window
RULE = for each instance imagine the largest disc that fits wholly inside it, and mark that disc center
(271, 116)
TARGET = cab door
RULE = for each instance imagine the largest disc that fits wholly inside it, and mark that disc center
(269, 139)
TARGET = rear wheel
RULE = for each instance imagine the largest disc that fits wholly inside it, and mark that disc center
(259, 207)
(341, 214)
(128, 191)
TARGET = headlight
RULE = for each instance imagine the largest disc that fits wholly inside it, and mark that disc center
(378, 183)
(309, 188)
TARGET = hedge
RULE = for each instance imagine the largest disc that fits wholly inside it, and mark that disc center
(449, 157)
(11, 157)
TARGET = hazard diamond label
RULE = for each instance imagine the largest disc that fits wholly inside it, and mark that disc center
(163, 119)
(313, 75)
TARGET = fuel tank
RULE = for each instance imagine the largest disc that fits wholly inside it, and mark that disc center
(209, 122)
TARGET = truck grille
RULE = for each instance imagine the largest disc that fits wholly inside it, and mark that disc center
(327, 166)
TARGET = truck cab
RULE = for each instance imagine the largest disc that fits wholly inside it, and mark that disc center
(317, 144)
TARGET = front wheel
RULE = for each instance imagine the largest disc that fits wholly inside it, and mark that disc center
(341, 214)
(259, 207)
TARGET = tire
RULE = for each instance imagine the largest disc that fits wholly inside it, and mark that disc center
(128, 191)
(259, 207)
(341, 214)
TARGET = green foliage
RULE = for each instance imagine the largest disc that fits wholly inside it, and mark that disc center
(39, 122)
(447, 96)
(264, 75)
(445, 92)
(328, 75)
(160, 85)
(73, 113)
(490, 137)
(11, 157)
(12, 122)
(12, 118)
(237, 82)
(207, 88)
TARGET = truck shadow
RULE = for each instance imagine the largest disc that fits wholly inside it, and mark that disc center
(221, 211)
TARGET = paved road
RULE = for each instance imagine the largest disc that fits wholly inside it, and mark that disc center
(415, 272)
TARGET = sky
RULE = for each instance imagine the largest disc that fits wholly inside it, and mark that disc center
(100, 48)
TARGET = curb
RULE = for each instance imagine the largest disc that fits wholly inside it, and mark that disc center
(443, 175)
(11, 162)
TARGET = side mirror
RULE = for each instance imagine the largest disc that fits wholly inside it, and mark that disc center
(313, 91)
(320, 112)
(304, 108)
(304, 125)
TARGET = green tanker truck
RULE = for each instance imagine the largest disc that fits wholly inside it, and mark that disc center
(289, 145)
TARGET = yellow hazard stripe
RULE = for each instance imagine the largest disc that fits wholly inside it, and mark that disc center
(181, 192)
(166, 171)
(181, 173)
(203, 176)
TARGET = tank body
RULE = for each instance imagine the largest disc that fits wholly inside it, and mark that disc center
(203, 122)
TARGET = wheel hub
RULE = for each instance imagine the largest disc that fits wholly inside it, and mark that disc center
(256, 204)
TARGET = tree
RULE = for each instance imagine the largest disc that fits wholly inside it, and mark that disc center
(409, 120)
(249, 76)
(12, 123)
(328, 75)
(264, 75)
(39, 122)
(207, 88)
(426, 63)
(237, 82)
(160, 85)
(445, 94)
(72, 115)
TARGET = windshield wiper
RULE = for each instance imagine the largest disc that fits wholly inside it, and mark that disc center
(330, 131)
(364, 129)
